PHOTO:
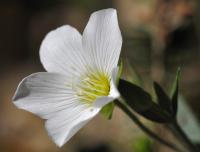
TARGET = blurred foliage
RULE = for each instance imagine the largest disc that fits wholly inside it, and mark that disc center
(138, 45)
(129, 73)
(188, 121)
(36, 5)
(142, 144)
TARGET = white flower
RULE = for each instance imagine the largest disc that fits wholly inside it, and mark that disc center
(80, 78)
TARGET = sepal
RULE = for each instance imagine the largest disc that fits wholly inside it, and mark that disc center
(107, 110)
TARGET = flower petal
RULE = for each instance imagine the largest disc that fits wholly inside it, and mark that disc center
(61, 51)
(102, 40)
(65, 124)
(45, 94)
(49, 96)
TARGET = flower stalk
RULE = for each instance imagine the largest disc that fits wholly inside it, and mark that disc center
(151, 134)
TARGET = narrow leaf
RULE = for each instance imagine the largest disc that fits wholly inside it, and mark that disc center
(163, 99)
(156, 114)
(135, 96)
(140, 101)
(174, 92)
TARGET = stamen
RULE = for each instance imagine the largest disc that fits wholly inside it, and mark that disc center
(92, 86)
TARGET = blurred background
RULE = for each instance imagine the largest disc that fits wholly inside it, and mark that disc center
(158, 36)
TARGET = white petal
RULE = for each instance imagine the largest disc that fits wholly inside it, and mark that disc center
(114, 93)
(44, 94)
(61, 51)
(65, 124)
(49, 96)
(102, 40)
(115, 74)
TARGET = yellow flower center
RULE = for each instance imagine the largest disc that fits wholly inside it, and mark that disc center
(93, 85)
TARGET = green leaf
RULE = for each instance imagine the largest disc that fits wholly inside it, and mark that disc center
(134, 95)
(107, 110)
(155, 114)
(163, 99)
(140, 101)
(174, 92)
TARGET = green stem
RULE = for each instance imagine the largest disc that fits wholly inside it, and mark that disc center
(124, 108)
(179, 133)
